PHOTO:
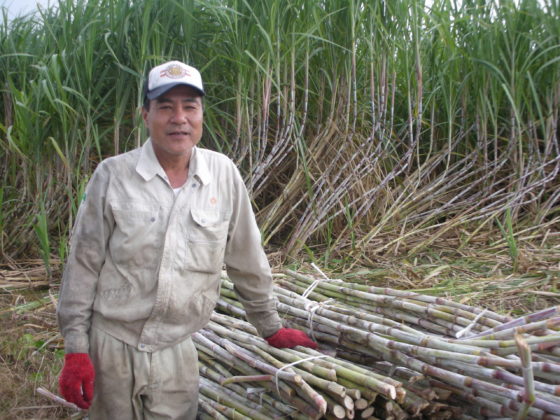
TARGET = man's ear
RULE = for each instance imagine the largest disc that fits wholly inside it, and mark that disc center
(144, 112)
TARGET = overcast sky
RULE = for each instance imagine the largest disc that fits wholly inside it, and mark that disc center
(20, 7)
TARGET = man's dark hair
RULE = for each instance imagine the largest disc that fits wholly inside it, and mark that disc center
(146, 104)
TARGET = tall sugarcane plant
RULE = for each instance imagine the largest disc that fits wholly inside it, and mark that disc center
(371, 126)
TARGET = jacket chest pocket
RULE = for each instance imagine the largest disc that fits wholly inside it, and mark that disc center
(207, 226)
(206, 233)
(134, 239)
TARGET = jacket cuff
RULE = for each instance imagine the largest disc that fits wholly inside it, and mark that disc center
(266, 323)
(76, 343)
(262, 314)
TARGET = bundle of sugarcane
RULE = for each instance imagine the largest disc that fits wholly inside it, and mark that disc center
(351, 390)
(499, 367)
(294, 383)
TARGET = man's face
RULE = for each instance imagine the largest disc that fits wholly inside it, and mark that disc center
(175, 122)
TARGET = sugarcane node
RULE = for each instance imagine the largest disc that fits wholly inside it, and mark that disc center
(484, 361)
(400, 395)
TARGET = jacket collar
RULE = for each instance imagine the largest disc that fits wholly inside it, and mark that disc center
(198, 166)
(148, 166)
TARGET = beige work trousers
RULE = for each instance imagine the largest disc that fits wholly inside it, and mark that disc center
(135, 385)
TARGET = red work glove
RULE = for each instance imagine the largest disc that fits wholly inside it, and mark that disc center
(76, 379)
(288, 337)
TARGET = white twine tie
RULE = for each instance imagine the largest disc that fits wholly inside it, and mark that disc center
(311, 307)
(307, 359)
(467, 329)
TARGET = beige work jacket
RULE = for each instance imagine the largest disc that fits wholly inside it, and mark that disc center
(144, 264)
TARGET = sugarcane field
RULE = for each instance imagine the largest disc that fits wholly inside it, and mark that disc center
(401, 158)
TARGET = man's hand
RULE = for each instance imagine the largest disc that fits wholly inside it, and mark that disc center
(76, 379)
(288, 337)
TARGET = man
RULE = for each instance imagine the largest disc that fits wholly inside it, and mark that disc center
(143, 273)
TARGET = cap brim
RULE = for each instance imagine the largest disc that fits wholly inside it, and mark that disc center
(157, 92)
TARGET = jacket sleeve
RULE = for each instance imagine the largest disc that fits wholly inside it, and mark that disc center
(247, 265)
(88, 246)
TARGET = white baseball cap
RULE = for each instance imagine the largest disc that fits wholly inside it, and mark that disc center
(168, 75)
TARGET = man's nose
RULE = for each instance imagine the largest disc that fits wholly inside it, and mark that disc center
(179, 116)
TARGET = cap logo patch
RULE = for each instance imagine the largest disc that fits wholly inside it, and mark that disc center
(174, 71)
